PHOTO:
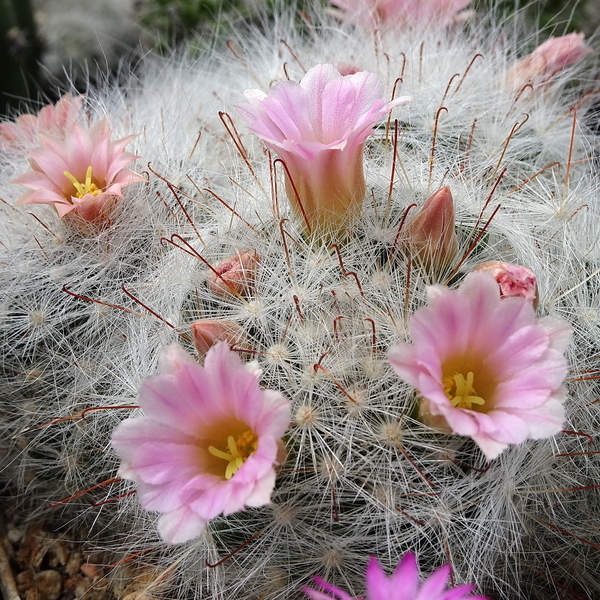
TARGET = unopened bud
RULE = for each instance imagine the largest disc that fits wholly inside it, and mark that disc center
(513, 280)
(236, 275)
(430, 237)
(547, 60)
(207, 333)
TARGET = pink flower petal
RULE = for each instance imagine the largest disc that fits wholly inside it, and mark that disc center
(515, 359)
(202, 422)
(402, 585)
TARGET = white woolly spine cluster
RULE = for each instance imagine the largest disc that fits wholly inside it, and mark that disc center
(361, 475)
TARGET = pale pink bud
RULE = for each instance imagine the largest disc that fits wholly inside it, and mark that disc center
(431, 237)
(236, 274)
(207, 333)
(319, 127)
(346, 69)
(514, 280)
(547, 60)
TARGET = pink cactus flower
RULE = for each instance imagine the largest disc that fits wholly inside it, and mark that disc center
(513, 280)
(485, 366)
(403, 584)
(81, 175)
(209, 442)
(236, 275)
(51, 120)
(375, 14)
(547, 60)
(318, 127)
(431, 236)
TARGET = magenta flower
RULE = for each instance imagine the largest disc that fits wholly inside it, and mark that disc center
(403, 584)
(51, 120)
(485, 366)
(81, 175)
(548, 59)
(318, 127)
(373, 14)
(209, 442)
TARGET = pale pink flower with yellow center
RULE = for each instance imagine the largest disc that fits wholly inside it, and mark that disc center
(403, 584)
(548, 59)
(485, 366)
(513, 280)
(53, 119)
(374, 14)
(81, 175)
(318, 127)
(209, 442)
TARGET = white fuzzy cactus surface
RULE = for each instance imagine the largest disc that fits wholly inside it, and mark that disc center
(84, 315)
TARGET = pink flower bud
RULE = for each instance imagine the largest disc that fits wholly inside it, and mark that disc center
(430, 237)
(514, 280)
(547, 60)
(207, 333)
(236, 275)
(346, 69)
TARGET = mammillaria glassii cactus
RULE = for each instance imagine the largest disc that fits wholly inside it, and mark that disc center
(86, 315)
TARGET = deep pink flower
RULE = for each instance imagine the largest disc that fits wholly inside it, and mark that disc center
(51, 120)
(513, 280)
(209, 442)
(548, 59)
(81, 175)
(373, 14)
(485, 366)
(318, 127)
(403, 584)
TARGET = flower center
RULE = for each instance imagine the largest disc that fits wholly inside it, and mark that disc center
(239, 449)
(84, 188)
(460, 391)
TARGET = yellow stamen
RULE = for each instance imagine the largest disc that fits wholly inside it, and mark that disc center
(240, 449)
(86, 188)
(460, 391)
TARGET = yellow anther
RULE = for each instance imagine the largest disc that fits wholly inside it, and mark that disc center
(84, 188)
(240, 449)
(460, 391)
